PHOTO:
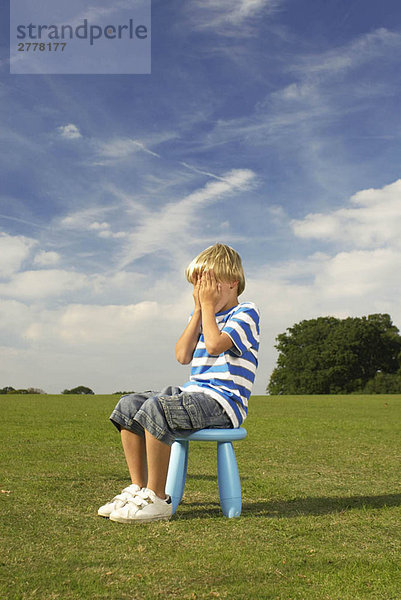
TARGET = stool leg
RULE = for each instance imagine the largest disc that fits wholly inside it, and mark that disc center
(177, 472)
(229, 481)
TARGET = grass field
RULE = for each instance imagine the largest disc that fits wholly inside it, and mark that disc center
(321, 484)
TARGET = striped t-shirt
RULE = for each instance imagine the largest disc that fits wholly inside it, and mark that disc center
(229, 376)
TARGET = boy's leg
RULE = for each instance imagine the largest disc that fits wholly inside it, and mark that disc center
(135, 456)
(133, 441)
(136, 447)
(132, 434)
(158, 457)
(150, 503)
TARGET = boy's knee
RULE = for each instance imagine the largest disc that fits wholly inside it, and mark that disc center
(153, 408)
(152, 418)
(129, 405)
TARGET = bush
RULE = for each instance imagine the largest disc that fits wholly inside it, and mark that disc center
(81, 389)
(384, 383)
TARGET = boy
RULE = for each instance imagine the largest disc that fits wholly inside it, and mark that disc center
(222, 340)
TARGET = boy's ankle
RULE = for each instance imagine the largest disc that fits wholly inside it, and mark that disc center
(160, 495)
(139, 484)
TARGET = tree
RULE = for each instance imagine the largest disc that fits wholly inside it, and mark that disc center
(81, 389)
(331, 356)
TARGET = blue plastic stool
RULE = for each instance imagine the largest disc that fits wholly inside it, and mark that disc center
(227, 470)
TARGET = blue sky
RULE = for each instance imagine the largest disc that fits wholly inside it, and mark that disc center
(270, 125)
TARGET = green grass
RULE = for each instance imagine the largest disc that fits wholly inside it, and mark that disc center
(321, 506)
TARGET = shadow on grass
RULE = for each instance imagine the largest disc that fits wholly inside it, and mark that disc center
(318, 506)
(280, 509)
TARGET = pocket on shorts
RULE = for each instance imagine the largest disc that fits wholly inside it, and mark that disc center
(182, 412)
(193, 406)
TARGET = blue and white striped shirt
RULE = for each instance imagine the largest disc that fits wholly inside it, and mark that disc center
(229, 376)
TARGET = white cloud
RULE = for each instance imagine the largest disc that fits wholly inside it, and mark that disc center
(93, 324)
(200, 171)
(321, 88)
(107, 234)
(95, 12)
(43, 284)
(228, 16)
(87, 218)
(103, 230)
(46, 258)
(162, 230)
(374, 221)
(69, 132)
(118, 286)
(371, 230)
(15, 317)
(13, 251)
(107, 347)
(368, 46)
(99, 226)
(119, 149)
(295, 92)
(361, 274)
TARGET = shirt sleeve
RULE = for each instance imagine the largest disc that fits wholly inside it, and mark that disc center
(243, 329)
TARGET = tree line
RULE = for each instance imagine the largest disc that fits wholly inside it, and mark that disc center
(328, 355)
(10, 390)
(81, 389)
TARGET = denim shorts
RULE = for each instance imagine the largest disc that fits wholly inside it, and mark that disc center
(167, 413)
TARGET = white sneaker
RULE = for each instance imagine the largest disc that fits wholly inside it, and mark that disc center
(145, 506)
(118, 501)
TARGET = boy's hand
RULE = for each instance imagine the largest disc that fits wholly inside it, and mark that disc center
(210, 289)
(195, 293)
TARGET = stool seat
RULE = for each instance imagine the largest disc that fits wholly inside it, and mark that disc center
(227, 469)
(214, 435)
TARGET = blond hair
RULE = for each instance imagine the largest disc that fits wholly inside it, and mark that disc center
(225, 262)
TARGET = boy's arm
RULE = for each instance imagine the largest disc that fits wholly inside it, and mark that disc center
(216, 342)
(186, 344)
